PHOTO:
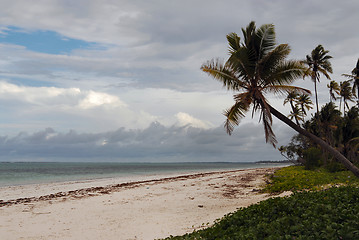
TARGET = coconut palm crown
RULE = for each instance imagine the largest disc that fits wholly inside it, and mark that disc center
(346, 94)
(304, 102)
(256, 66)
(318, 62)
(333, 89)
(296, 112)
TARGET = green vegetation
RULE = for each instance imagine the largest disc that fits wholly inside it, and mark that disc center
(329, 214)
(318, 209)
(339, 129)
(297, 178)
(342, 132)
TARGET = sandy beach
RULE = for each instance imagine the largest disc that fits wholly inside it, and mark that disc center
(148, 209)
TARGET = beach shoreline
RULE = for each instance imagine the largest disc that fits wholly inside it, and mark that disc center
(150, 208)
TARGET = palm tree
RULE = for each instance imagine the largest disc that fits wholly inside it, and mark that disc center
(333, 89)
(291, 98)
(346, 94)
(318, 62)
(355, 78)
(296, 114)
(304, 102)
(256, 67)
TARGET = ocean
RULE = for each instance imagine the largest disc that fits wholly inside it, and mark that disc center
(23, 173)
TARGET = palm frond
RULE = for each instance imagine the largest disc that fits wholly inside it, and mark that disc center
(350, 76)
(285, 89)
(234, 42)
(244, 97)
(242, 64)
(327, 66)
(265, 39)
(308, 73)
(234, 115)
(219, 71)
(354, 88)
(248, 33)
(324, 72)
(267, 123)
(326, 57)
(285, 73)
(271, 60)
(308, 60)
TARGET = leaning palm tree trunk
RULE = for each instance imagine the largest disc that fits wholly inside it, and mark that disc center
(258, 66)
(350, 166)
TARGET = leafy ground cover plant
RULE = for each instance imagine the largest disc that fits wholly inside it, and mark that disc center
(326, 214)
(297, 178)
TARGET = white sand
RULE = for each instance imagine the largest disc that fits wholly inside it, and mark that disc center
(147, 210)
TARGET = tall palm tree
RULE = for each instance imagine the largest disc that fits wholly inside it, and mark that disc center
(346, 94)
(257, 66)
(333, 89)
(355, 78)
(304, 102)
(291, 98)
(318, 62)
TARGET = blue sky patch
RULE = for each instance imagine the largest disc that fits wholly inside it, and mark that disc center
(43, 41)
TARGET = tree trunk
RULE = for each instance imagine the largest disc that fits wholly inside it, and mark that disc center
(350, 166)
(344, 103)
(330, 95)
(340, 105)
(316, 95)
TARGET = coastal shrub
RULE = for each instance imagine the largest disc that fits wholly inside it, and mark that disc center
(297, 178)
(326, 214)
(312, 157)
(334, 166)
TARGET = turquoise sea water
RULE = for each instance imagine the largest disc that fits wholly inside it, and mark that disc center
(21, 173)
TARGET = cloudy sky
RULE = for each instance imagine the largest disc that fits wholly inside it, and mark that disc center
(120, 80)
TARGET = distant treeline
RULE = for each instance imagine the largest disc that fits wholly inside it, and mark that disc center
(279, 161)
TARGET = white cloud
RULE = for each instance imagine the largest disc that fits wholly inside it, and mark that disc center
(67, 108)
(94, 111)
(35, 95)
(185, 119)
(94, 99)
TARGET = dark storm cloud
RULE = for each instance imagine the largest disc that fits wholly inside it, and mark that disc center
(155, 143)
